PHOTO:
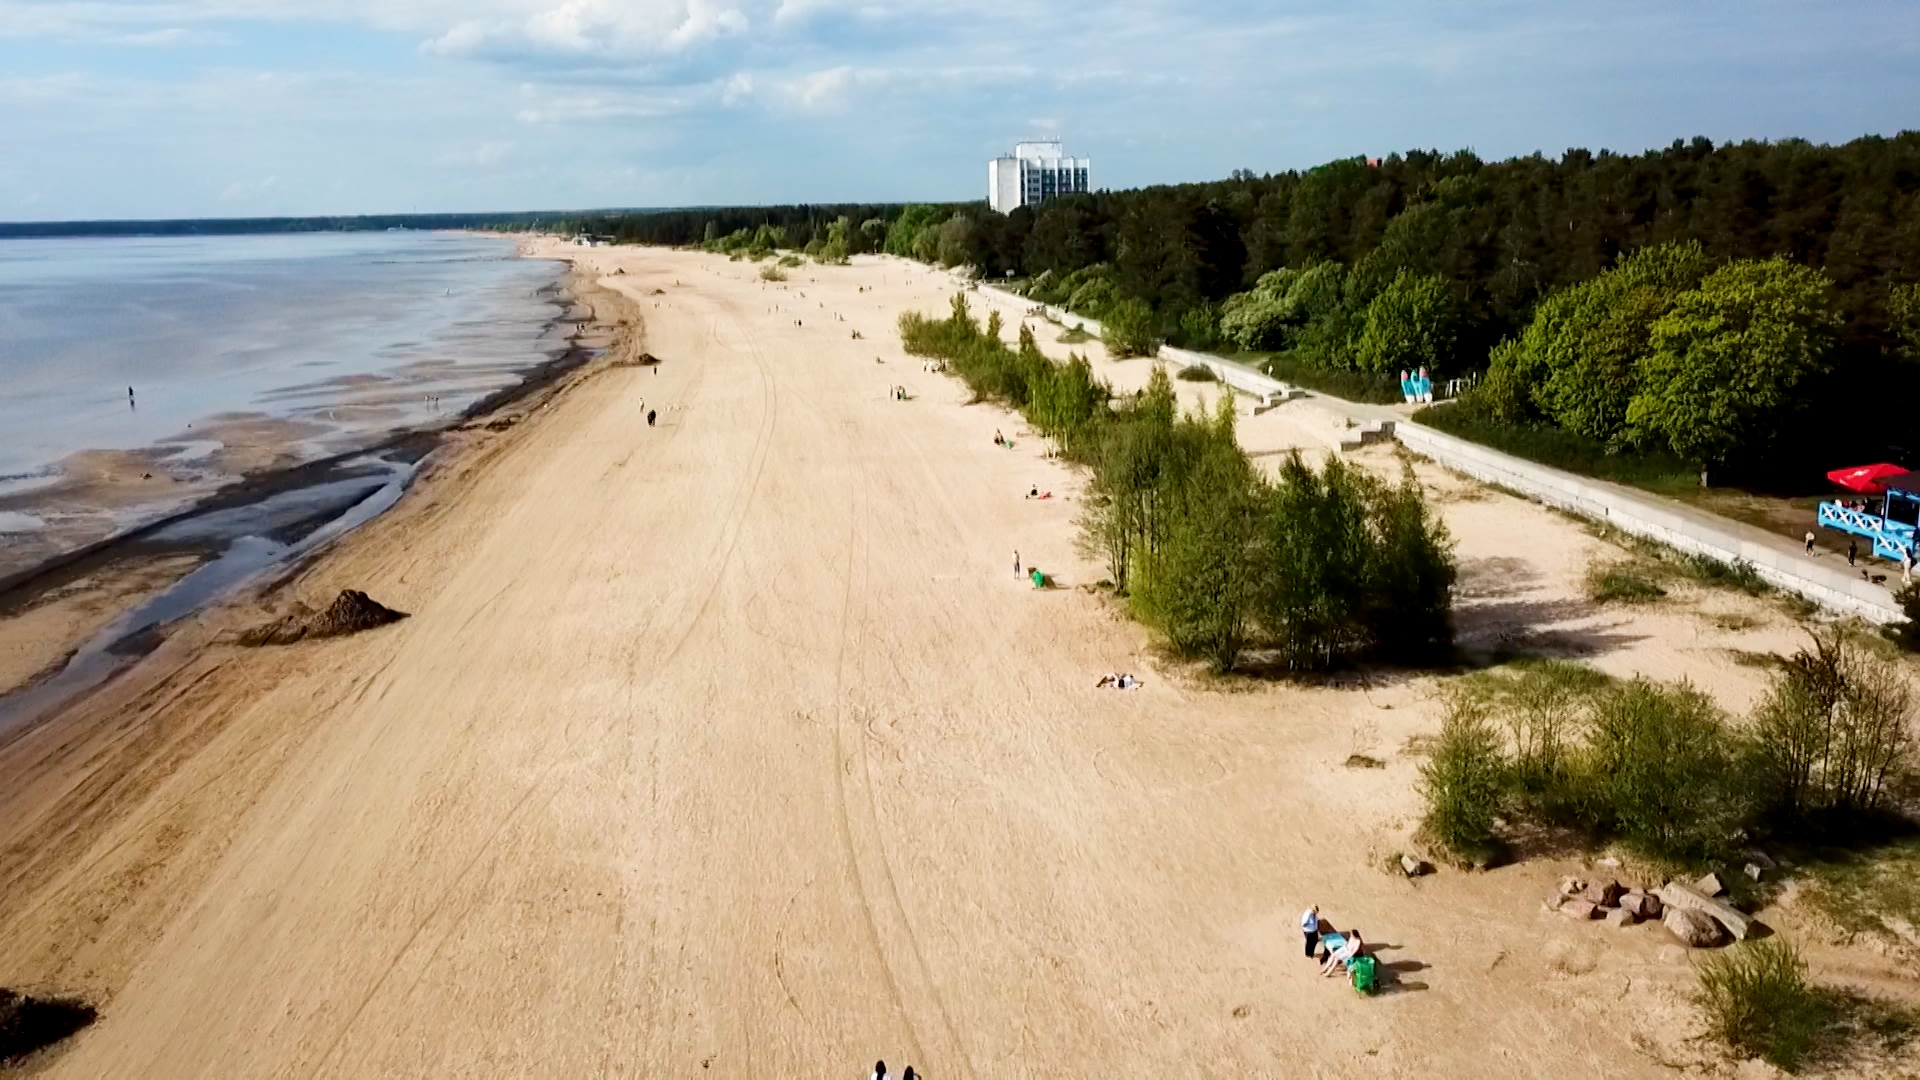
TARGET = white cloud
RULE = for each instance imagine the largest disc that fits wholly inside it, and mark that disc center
(594, 28)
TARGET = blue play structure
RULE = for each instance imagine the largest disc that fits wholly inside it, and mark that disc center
(1886, 520)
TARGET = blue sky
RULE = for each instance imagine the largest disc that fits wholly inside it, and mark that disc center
(188, 108)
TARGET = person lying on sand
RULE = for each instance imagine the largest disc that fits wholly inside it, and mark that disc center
(1118, 682)
(1036, 493)
(1337, 959)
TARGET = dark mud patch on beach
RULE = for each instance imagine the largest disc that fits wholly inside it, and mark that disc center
(29, 1024)
(350, 613)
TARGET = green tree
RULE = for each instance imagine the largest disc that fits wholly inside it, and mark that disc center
(1410, 576)
(1413, 323)
(1462, 783)
(1734, 362)
(1586, 343)
(1903, 311)
(906, 229)
(1198, 587)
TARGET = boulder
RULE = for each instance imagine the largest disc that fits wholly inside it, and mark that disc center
(1759, 858)
(1642, 905)
(1578, 909)
(1675, 894)
(1755, 870)
(1710, 885)
(1413, 867)
(1604, 894)
(1696, 928)
(1621, 917)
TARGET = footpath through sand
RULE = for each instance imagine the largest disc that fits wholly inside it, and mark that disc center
(735, 743)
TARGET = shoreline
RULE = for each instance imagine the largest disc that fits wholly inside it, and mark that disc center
(115, 576)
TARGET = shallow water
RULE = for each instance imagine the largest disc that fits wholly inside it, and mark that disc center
(288, 326)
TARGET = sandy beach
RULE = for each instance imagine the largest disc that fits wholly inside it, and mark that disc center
(734, 745)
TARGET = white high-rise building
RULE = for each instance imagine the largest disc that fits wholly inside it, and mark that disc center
(1035, 172)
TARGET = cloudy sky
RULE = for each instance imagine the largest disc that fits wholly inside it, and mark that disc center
(186, 108)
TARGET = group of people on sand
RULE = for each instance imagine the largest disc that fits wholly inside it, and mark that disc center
(1036, 493)
(1320, 936)
(880, 1072)
(1118, 682)
(1001, 440)
(897, 393)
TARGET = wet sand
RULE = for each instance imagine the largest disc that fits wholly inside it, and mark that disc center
(734, 744)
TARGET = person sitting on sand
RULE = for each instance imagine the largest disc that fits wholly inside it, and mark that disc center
(1337, 959)
(1035, 493)
(880, 1070)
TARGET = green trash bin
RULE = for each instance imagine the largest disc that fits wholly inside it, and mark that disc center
(1039, 580)
(1361, 969)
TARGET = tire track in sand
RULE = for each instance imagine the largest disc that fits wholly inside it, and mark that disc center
(722, 554)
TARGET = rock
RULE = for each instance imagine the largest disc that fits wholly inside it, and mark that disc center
(1571, 886)
(1414, 867)
(1679, 895)
(1754, 871)
(1760, 859)
(1621, 917)
(1604, 894)
(1696, 928)
(1578, 909)
(1710, 885)
(1642, 905)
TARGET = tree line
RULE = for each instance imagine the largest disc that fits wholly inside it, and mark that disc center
(1317, 567)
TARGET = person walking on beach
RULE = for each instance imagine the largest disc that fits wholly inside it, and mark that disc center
(1310, 929)
(1016, 562)
(1853, 551)
(1809, 541)
(1906, 565)
(650, 415)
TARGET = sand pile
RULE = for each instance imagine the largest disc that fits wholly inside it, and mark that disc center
(352, 612)
(29, 1023)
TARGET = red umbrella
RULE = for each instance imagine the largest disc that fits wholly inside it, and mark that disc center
(1866, 479)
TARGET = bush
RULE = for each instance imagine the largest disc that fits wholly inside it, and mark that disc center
(1462, 784)
(1757, 1001)
(1659, 771)
(1075, 336)
(1620, 583)
(772, 272)
(1197, 373)
(1834, 734)
(1545, 706)
(1128, 329)
(1738, 574)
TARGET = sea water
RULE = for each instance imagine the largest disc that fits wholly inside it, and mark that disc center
(350, 334)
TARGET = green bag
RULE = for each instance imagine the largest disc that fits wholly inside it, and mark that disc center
(1361, 968)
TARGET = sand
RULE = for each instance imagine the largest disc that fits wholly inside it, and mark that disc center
(735, 744)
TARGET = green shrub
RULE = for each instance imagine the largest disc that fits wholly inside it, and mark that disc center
(1738, 574)
(1621, 583)
(1659, 771)
(1757, 1001)
(1545, 706)
(1075, 336)
(771, 272)
(1834, 735)
(1462, 784)
(1197, 373)
(1128, 329)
